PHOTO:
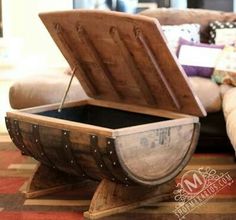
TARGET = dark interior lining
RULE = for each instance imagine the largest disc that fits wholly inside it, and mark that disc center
(103, 117)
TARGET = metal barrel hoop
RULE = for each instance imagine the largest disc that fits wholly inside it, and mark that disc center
(116, 167)
(67, 149)
(40, 149)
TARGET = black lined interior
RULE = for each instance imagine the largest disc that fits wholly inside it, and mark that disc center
(103, 117)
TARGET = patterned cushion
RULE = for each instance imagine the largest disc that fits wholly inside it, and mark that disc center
(225, 69)
(173, 33)
(198, 59)
(222, 33)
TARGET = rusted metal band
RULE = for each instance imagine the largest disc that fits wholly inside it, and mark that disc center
(15, 135)
(66, 144)
(10, 131)
(41, 156)
(98, 158)
(19, 138)
(116, 168)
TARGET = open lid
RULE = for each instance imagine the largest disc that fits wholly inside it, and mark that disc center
(122, 58)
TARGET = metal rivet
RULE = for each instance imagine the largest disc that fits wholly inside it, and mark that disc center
(6, 120)
(42, 153)
(114, 163)
(15, 122)
(110, 152)
(109, 142)
(35, 126)
(126, 178)
(23, 146)
(71, 161)
(23, 152)
(93, 136)
(36, 140)
(101, 165)
(126, 185)
(17, 133)
(113, 179)
(66, 146)
(65, 133)
(95, 150)
(83, 174)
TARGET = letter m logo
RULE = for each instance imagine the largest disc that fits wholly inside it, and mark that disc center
(193, 182)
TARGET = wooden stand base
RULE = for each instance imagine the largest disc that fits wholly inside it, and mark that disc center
(109, 198)
(46, 180)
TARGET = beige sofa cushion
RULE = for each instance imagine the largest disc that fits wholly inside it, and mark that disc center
(229, 102)
(36, 91)
(229, 109)
(172, 16)
(224, 88)
(231, 127)
(50, 89)
(208, 93)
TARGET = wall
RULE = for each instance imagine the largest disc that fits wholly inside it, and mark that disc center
(183, 4)
(178, 3)
(22, 26)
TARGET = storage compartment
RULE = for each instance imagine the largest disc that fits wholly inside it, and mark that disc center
(139, 125)
(103, 117)
(139, 129)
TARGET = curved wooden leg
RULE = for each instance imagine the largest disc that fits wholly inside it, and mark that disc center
(113, 198)
(47, 180)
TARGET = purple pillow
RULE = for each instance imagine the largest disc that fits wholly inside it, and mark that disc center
(192, 70)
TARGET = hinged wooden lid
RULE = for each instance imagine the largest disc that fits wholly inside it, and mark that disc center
(123, 58)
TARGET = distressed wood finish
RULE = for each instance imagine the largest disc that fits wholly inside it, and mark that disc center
(125, 58)
(170, 146)
(126, 158)
(138, 132)
(111, 198)
(48, 180)
(70, 146)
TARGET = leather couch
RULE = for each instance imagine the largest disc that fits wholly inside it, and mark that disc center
(39, 90)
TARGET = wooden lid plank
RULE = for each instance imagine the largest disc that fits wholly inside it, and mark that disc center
(122, 58)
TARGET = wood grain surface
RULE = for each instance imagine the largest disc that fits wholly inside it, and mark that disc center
(122, 58)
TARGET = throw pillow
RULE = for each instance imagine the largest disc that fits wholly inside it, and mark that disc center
(173, 33)
(198, 59)
(223, 33)
(225, 70)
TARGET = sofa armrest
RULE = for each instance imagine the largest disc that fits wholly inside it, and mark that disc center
(41, 91)
(208, 92)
